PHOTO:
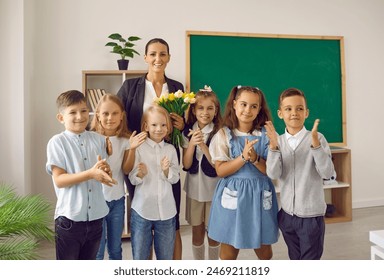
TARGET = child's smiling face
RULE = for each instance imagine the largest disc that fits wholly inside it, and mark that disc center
(294, 112)
(205, 111)
(110, 116)
(75, 117)
(156, 126)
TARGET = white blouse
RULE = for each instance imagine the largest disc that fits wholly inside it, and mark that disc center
(119, 146)
(150, 94)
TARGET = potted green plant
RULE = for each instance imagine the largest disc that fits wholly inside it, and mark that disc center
(123, 47)
(24, 222)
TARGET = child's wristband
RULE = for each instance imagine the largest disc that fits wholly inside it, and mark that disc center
(243, 158)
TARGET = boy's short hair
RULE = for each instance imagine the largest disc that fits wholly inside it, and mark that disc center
(291, 92)
(69, 98)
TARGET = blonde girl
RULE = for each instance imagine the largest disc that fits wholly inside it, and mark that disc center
(244, 206)
(110, 121)
(156, 168)
(203, 121)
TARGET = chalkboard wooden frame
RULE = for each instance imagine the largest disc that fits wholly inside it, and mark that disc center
(223, 60)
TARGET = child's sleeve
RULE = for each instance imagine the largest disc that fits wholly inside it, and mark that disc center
(55, 155)
(185, 141)
(219, 147)
(323, 158)
(133, 174)
(274, 163)
(262, 147)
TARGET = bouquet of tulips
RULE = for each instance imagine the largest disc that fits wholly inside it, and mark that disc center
(177, 103)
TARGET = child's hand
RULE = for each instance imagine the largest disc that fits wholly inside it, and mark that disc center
(315, 134)
(248, 148)
(102, 172)
(177, 121)
(251, 153)
(109, 146)
(165, 164)
(197, 137)
(136, 140)
(142, 170)
(272, 135)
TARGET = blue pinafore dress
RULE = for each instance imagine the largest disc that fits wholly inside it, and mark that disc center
(244, 206)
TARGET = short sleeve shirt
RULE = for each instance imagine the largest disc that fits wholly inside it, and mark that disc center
(76, 153)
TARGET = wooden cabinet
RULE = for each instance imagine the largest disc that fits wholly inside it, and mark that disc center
(339, 194)
(99, 82)
(111, 81)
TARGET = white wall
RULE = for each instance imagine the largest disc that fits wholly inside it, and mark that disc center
(69, 36)
(14, 168)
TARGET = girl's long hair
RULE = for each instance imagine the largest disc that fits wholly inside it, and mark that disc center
(230, 119)
(122, 130)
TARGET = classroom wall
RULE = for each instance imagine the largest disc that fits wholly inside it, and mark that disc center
(47, 43)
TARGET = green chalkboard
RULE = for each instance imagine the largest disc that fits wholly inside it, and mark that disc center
(274, 63)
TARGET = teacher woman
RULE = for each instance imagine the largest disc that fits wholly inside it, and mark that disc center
(137, 94)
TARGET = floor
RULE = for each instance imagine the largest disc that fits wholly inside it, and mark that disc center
(343, 241)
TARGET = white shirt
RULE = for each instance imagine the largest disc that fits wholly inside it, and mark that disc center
(200, 186)
(119, 146)
(153, 199)
(150, 93)
(294, 140)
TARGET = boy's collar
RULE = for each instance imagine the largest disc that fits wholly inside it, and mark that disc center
(70, 133)
(295, 135)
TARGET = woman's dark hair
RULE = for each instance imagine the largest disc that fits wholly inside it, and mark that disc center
(156, 40)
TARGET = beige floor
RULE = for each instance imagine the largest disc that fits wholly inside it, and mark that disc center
(343, 241)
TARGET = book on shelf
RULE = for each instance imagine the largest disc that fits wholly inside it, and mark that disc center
(94, 96)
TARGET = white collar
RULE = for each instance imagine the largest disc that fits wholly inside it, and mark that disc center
(297, 135)
(153, 144)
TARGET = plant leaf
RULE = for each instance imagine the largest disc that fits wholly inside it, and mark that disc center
(115, 36)
(134, 38)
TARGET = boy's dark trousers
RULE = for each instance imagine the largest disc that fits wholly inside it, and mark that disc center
(77, 240)
(303, 236)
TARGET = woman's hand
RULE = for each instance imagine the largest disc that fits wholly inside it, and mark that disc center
(177, 121)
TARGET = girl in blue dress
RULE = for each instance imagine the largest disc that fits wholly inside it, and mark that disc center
(244, 206)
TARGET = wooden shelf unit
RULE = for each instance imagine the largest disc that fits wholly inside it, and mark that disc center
(110, 80)
(340, 193)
